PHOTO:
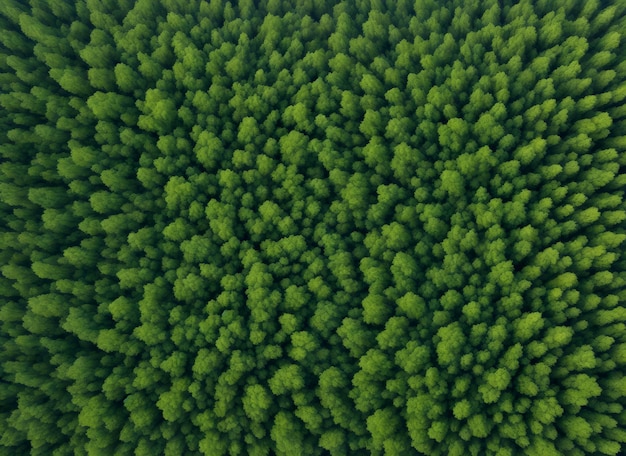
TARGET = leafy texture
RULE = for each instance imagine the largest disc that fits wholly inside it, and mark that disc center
(240, 228)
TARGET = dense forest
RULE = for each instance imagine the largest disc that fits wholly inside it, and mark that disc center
(312, 227)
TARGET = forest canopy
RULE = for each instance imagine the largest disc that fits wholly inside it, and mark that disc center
(344, 228)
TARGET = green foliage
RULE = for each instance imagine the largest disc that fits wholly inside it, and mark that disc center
(244, 228)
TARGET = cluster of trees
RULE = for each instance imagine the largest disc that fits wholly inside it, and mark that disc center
(354, 228)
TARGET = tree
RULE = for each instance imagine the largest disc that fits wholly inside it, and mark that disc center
(257, 403)
(126, 78)
(159, 112)
(412, 305)
(395, 334)
(383, 425)
(286, 379)
(528, 326)
(48, 305)
(496, 381)
(579, 389)
(73, 80)
(303, 345)
(372, 124)
(288, 436)
(404, 269)
(371, 85)
(48, 197)
(293, 147)
(452, 183)
(451, 344)
(248, 131)
(333, 440)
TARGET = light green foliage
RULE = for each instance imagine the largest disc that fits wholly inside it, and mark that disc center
(256, 403)
(451, 344)
(287, 378)
(249, 228)
(528, 326)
